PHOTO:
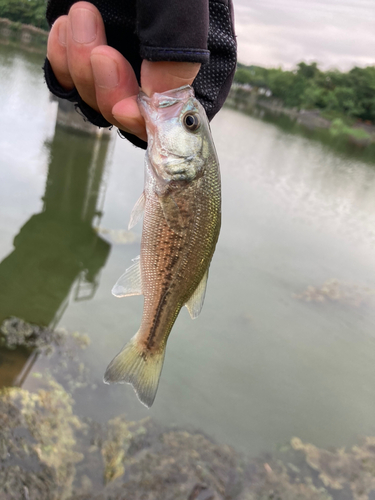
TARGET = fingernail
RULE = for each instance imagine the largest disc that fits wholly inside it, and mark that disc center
(105, 71)
(62, 33)
(83, 23)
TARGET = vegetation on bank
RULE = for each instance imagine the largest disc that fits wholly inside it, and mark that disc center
(344, 99)
(25, 12)
(348, 95)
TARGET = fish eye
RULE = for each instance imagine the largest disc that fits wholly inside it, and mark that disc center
(192, 121)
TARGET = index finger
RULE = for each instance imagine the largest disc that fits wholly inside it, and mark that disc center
(160, 76)
(57, 54)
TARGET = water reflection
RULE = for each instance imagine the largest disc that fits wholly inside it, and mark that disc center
(57, 254)
(262, 363)
(342, 145)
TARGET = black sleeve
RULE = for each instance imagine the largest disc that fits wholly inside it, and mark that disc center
(163, 30)
(173, 30)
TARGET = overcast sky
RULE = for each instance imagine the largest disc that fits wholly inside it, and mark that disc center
(335, 33)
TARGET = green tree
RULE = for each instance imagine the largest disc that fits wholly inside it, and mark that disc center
(362, 81)
(314, 96)
(287, 85)
(243, 76)
(351, 93)
(307, 71)
(253, 75)
(25, 11)
(347, 101)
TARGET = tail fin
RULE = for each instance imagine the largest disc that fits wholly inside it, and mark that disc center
(139, 368)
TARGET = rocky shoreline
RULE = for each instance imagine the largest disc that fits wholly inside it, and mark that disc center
(48, 452)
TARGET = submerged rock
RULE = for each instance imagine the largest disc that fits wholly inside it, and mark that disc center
(29, 340)
(342, 469)
(48, 452)
(37, 443)
(17, 332)
(334, 290)
(54, 454)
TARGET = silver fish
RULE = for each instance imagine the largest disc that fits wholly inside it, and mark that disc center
(182, 216)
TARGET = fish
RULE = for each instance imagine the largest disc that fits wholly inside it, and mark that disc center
(181, 209)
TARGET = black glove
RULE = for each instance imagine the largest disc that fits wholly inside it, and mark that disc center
(163, 30)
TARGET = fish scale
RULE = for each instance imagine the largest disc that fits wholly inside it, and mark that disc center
(182, 217)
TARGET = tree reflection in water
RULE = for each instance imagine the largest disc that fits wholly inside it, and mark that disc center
(57, 254)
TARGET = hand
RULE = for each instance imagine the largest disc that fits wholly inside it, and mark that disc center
(105, 80)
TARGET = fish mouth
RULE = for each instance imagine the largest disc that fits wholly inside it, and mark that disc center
(177, 164)
(165, 99)
(174, 93)
(176, 158)
(181, 167)
(173, 166)
(163, 106)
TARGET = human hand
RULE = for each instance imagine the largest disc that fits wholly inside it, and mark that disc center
(105, 80)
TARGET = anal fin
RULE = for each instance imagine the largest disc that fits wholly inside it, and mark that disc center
(130, 283)
(195, 303)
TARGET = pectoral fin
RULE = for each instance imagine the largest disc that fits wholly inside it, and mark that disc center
(137, 211)
(195, 303)
(172, 213)
(130, 282)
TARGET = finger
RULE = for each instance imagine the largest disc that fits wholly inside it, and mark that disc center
(115, 81)
(127, 113)
(165, 75)
(85, 31)
(57, 55)
(155, 77)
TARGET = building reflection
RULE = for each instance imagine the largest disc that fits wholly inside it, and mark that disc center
(57, 254)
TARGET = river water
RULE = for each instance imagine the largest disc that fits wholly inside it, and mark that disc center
(268, 358)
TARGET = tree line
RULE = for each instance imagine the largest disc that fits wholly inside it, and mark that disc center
(307, 87)
(351, 94)
(25, 12)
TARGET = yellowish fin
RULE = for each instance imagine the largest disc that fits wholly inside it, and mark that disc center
(138, 367)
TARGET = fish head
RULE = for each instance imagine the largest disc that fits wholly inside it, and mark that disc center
(178, 134)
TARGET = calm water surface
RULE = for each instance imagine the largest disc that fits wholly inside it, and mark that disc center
(259, 365)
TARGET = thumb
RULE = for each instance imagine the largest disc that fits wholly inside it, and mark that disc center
(166, 75)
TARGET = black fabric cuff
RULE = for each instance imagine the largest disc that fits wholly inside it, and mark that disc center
(87, 111)
(136, 141)
(54, 86)
(173, 25)
(72, 96)
(179, 55)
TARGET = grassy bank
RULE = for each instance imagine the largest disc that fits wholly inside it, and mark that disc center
(333, 124)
